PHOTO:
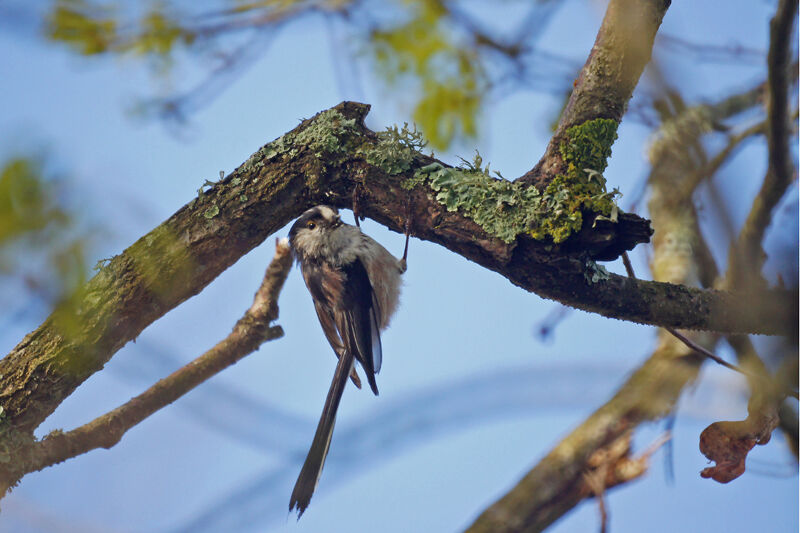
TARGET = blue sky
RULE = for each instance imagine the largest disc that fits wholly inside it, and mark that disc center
(225, 457)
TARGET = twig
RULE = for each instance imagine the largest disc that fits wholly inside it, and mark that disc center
(711, 52)
(688, 342)
(105, 431)
(596, 482)
(699, 349)
(547, 326)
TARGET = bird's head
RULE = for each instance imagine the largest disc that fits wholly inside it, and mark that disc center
(313, 231)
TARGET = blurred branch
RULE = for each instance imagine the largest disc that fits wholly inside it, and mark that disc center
(546, 327)
(683, 127)
(756, 372)
(694, 179)
(556, 484)
(248, 334)
(734, 53)
(746, 257)
(553, 487)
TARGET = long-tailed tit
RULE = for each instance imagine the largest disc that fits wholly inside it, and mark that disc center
(355, 285)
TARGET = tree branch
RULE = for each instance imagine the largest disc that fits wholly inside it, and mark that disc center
(621, 50)
(248, 334)
(305, 167)
(747, 257)
(557, 483)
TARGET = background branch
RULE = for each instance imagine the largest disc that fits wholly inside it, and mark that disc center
(747, 257)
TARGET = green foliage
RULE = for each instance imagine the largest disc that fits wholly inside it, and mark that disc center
(27, 205)
(448, 75)
(91, 28)
(448, 109)
(39, 244)
(159, 35)
(418, 52)
(87, 28)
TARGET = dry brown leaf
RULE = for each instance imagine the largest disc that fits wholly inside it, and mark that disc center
(728, 443)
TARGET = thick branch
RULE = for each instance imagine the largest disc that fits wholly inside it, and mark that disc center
(248, 334)
(180, 257)
(622, 49)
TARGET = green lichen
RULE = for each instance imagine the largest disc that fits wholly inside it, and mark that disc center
(507, 209)
(588, 145)
(395, 150)
(211, 212)
(328, 133)
(502, 208)
(594, 273)
(585, 149)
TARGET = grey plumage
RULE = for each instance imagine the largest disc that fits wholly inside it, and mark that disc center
(355, 285)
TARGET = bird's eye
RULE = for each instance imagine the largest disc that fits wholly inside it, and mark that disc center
(311, 225)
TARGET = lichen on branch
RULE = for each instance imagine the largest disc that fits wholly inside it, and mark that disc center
(506, 209)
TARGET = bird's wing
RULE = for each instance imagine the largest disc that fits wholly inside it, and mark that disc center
(329, 328)
(357, 318)
(326, 285)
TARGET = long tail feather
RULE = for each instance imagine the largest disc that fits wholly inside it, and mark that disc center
(312, 468)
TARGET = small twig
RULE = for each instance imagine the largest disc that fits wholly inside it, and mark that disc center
(699, 349)
(688, 342)
(595, 480)
(547, 326)
(669, 449)
(660, 441)
(612, 465)
(107, 430)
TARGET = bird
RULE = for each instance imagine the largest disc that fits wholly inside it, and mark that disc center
(355, 286)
